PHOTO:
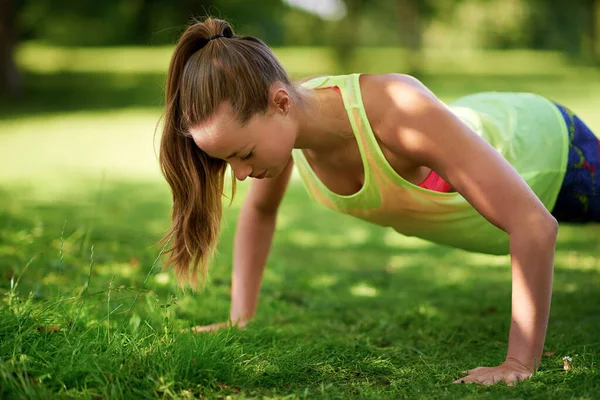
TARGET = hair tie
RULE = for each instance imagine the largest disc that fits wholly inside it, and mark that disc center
(227, 33)
(215, 37)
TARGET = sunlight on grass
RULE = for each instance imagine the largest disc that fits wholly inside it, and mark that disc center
(357, 235)
(96, 59)
(429, 311)
(398, 262)
(401, 261)
(485, 260)
(118, 144)
(272, 276)
(324, 281)
(123, 270)
(307, 239)
(396, 240)
(155, 59)
(163, 278)
(283, 220)
(363, 290)
(576, 260)
(568, 288)
(353, 237)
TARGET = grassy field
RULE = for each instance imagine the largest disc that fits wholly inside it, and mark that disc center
(348, 310)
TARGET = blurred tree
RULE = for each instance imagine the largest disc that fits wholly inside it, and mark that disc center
(9, 77)
(107, 22)
(411, 14)
(155, 22)
(594, 31)
(571, 26)
(409, 18)
(347, 33)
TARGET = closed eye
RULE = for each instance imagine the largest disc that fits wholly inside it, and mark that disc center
(248, 156)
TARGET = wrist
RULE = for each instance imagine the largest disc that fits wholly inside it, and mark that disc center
(239, 320)
(240, 323)
(530, 366)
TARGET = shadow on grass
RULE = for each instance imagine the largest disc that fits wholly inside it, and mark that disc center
(344, 308)
(123, 222)
(65, 92)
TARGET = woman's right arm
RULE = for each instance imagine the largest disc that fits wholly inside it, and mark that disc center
(253, 238)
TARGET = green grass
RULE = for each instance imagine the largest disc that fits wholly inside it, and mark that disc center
(347, 309)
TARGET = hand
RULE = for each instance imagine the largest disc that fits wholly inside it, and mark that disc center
(215, 327)
(510, 371)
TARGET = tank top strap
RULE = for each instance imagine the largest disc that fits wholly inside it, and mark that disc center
(354, 105)
(368, 197)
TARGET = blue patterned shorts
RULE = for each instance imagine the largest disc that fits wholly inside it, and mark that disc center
(579, 197)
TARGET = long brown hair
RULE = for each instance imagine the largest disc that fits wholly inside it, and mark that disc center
(202, 74)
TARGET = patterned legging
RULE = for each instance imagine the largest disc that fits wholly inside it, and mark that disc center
(579, 197)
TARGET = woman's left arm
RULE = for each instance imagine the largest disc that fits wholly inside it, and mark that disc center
(421, 128)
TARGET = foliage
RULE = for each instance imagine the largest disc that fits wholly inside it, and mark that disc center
(537, 24)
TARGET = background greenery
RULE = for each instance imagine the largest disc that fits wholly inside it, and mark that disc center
(348, 310)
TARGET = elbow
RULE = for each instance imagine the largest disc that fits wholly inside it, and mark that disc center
(550, 226)
(543, 227)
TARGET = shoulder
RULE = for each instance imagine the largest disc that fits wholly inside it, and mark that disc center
(397, 106)
(392, 95)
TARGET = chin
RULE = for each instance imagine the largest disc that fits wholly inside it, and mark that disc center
(273, 173)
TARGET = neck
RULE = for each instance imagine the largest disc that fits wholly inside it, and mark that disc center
(323, 121)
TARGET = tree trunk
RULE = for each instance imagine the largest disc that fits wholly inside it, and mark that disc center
(347, 35)
(595, 32)
(9, 76)
(410, 25)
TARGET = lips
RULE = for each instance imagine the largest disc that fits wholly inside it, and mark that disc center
(261, 176)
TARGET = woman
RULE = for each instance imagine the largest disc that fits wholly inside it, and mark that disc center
(492, 172)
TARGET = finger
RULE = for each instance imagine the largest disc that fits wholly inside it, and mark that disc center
(474, 370)
(208, 328)
(462, 380)
(466, 379)
(480, 378)
(198, 329)
(489, 379)
(513, 379)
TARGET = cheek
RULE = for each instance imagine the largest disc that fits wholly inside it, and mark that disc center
(277, 152)
(281, 142)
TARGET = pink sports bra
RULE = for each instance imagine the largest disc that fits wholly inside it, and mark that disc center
(432, 182)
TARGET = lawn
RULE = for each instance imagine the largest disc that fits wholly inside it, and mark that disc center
(347, 309)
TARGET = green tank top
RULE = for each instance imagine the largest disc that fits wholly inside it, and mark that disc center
(528, 130)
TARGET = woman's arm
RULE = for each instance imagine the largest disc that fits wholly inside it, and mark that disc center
(421, 128)
(253, 238)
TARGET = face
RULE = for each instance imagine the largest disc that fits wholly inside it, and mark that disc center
(259, 149)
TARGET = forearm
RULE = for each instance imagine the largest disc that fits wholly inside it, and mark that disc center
(532, 257)
(254, 235)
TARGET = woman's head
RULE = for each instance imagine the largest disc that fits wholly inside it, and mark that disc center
(227, 102)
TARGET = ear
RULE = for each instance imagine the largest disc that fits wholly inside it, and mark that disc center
(281, 101)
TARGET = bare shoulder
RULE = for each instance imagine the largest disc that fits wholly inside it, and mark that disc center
(384, 95)
(396, 103)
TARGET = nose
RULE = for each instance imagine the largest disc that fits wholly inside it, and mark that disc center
(241, 171)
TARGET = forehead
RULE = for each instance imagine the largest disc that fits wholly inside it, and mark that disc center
(219, 133)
